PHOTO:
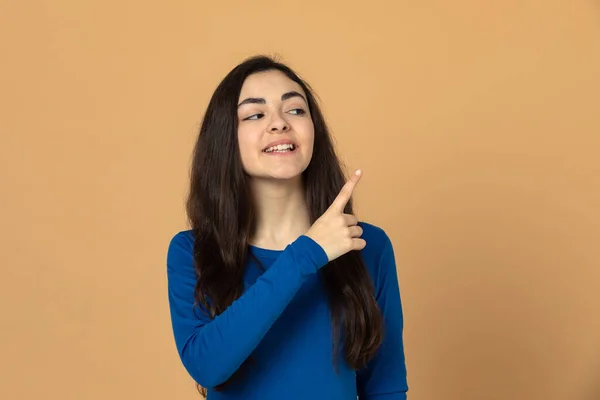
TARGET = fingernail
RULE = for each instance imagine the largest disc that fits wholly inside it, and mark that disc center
(358, 172)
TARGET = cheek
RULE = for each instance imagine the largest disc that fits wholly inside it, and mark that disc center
(309, 136)
(243, 139)
(247, 144)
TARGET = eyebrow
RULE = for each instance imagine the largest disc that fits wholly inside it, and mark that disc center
(259, 100)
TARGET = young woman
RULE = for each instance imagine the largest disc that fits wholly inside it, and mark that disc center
(277, 291)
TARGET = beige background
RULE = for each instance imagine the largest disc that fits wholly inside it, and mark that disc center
(477, 125)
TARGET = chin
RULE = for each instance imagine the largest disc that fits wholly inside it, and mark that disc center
(268, 171)
(294, 174)
(287, 177)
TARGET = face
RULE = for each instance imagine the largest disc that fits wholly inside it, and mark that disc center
(273, 111)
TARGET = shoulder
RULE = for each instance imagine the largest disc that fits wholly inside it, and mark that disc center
(378, 254)
(180, 253)
(181, 242)
(376, 238)
(185, 238)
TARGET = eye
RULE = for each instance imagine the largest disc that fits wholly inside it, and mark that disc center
(254, 117)
(297, 111)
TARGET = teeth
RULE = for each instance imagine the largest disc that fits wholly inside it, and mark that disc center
(280, 147)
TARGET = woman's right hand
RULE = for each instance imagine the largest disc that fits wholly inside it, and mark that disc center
(338, 233)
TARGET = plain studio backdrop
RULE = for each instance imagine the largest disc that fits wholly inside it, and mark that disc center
(477, 125)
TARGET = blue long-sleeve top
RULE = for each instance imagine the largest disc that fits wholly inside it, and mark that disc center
(282, 321)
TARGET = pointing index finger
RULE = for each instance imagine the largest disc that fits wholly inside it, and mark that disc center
(344, 196)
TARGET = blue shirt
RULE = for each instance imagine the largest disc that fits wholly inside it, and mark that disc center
(282, 320)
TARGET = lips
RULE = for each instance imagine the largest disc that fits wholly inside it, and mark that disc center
(281, 141)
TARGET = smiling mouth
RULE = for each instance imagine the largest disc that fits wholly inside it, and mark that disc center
(282, 148)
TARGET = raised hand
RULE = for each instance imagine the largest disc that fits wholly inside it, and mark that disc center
(338, 233)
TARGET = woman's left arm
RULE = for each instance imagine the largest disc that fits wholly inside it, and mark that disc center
(384, 376)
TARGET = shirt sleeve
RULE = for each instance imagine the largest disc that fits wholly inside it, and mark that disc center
(384, 376)
(211, 350)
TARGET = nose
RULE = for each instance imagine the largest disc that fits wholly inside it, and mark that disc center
(278, 124)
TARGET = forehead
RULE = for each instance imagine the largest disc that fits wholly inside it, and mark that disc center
(268, 84)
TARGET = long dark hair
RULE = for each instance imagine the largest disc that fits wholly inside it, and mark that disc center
(220, 212)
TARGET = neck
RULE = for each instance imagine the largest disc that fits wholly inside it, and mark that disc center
(281, 213)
